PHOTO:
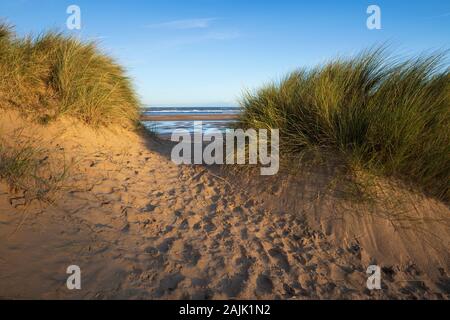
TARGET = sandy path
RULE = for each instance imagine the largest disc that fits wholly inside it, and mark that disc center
(142, 227)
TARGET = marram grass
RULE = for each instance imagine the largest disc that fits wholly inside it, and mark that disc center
(54, 75)
(388, 116)
(24, 167)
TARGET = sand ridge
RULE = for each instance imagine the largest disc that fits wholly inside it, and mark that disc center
(141, 227)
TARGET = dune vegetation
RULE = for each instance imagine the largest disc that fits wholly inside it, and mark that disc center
(52, 75)
(47, 77)
(26, 169)
(387, 116)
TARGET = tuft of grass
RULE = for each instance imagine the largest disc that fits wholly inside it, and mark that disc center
(26, 169)
(17, 163)
(53, 75)
(389, 116)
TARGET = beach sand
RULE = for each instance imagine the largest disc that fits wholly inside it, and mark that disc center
(141, 227)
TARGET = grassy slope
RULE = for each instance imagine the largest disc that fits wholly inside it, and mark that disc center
(388, 116)
(51, 76)
(54, 75)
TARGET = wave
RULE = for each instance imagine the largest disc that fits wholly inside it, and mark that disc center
(197, 112)
(209, 110)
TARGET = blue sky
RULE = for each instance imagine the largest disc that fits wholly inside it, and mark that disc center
(209, 51)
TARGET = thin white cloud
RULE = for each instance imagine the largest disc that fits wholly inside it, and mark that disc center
(184, 24)
(210, 36)
(186, 41)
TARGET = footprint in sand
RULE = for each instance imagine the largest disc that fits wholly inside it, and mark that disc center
(169, 283)
(209, 227)
(166, 244)
(234, 285)
(264, 285)
(191, 255)
(280, 258)
(149, 208)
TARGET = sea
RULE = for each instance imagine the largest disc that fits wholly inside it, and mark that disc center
(165, 128)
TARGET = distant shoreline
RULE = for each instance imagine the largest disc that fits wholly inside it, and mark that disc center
(193, 117)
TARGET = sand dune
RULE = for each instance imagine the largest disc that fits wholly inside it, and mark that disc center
(142, 227)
